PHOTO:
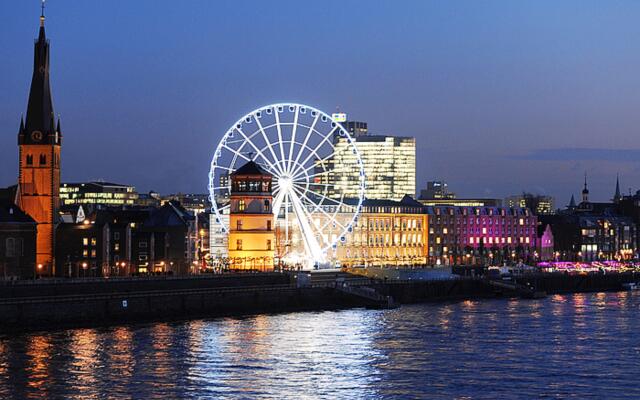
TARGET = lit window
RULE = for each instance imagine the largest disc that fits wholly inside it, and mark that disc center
(93, 241)
(241, 205)
(268, 244)
(239, 244)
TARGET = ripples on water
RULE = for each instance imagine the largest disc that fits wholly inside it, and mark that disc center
(580, 346)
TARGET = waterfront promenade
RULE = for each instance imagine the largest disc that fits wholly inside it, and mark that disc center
(26, 305)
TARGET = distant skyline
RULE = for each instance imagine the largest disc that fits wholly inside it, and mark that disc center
(502, 97)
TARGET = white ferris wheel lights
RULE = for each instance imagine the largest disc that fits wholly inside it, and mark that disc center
(296, 144)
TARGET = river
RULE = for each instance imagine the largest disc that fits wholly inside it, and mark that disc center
(580, 346)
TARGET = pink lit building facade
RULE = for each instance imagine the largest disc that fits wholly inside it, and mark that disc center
(470, 235)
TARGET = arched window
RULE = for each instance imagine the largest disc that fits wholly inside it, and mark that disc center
(29, 159)
(43, 159)
(10, 249)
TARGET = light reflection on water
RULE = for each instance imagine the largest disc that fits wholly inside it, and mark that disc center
(581, 346)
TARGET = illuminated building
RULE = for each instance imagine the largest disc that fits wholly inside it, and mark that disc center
(39, 140)
(251, 230)
(470, 202)
(124, 241)
(593, 231)
(464, 235)
(387, 233)
(436, 190)
(218, 238)
(437, 194)
(196, 203)
(539, 204)
(98, 193)
(389, 164)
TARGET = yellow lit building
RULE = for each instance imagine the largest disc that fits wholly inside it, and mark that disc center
(98, 193)
(251, 232)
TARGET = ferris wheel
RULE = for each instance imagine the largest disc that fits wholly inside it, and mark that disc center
(318, 175)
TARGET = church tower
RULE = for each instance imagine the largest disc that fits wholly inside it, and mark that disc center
(39, 140)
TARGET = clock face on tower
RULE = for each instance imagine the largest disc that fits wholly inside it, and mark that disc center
(36, 136)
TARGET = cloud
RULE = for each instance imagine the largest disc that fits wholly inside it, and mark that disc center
(582, 154)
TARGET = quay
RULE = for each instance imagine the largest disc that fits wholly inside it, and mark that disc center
(52, 304)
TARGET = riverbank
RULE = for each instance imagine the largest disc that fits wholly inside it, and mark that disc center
(47, 305)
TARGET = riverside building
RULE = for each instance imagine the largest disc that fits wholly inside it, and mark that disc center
(469, 235)
(98, 194)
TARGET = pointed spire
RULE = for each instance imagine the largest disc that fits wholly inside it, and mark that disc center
(585, 191)
(21, 124)
(58, 126)
(40, 115)
(617, 196)
(572, 203)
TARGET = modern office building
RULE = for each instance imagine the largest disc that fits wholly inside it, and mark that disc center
(437, 190)
(98, 194)
(437, 194)
(539, 204)
(389, 165)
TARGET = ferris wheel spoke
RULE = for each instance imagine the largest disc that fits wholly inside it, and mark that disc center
(266, 139)
(272, 167)
(336, 202)
(318, 207)
(316, 163)
(293, 140)
(280, 141)
(277, 203)
(236, 152)
(306, 139)
(307, 231)
(324, 140)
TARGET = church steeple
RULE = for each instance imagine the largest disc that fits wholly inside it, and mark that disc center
(617, 196)
(585, 191)
(40, 120)
(39, 143)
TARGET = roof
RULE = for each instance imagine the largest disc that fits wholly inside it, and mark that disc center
(40, 115)
(250, 168)
(10, 213)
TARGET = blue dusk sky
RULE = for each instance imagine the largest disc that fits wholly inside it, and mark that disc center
(502, 96)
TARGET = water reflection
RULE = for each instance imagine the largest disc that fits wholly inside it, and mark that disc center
(580, 346)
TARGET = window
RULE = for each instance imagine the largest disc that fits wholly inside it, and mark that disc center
(142, 257)
(241, 205)
(266, 205)
(239, 225)
(43, 159)
(116, 235)
(239, 244)
(93, 253)
(269, 225)
(10, 250)
(85, 241)
(143, 245)
(93, 241)
(116, 246)
(29, 159)
(268, 244)
(85, 253)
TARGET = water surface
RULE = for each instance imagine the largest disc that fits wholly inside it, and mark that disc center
(580, 346)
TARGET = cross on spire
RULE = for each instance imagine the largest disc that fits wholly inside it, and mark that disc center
(42, 13)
